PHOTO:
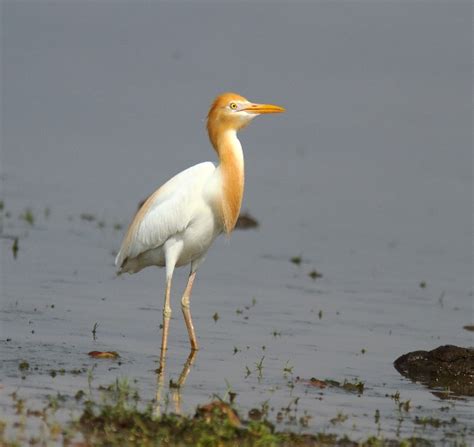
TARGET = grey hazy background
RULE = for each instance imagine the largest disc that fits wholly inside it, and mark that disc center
(102, 101)
(368, 176)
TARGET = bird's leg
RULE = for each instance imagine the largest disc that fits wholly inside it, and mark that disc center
(187, 312)
(166, 324)
(172, 252)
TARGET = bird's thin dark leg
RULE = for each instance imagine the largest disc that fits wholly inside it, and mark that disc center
(187, 311)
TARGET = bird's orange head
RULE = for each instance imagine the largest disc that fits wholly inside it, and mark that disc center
(231, 111)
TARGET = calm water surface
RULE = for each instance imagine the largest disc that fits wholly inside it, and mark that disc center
(368, 178)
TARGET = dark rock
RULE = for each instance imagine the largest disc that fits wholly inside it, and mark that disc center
(246, 221)
(447, 367)
(255, 414)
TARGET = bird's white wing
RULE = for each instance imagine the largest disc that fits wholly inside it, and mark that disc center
(165, 213)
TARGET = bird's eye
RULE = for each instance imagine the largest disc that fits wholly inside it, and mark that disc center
(233, 106)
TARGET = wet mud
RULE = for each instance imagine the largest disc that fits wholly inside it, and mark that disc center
(449, 368)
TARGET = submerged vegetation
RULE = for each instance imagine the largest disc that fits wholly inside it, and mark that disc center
(355, 387)
(119, 418)
(28, 216)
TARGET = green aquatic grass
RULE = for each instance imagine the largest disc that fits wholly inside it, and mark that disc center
(119, 418)
(28, 216)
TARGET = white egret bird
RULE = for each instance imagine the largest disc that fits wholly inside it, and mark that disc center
(177, 224)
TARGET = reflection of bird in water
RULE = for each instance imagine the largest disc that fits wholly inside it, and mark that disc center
(178, 223)
(175, 387)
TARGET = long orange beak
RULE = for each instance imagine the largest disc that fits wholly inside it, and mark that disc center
(263, 108)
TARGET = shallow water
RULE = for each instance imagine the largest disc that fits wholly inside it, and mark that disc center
(368, 178)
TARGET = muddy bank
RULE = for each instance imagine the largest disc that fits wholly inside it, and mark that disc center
(118, 417)
(448, 367)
